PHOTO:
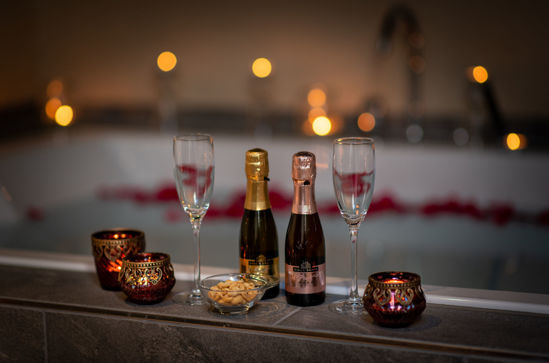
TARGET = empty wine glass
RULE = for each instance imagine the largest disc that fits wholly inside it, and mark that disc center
(194, 177)
(353, 172)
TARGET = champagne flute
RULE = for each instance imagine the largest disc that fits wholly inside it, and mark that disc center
(194, 177)
(353, 172)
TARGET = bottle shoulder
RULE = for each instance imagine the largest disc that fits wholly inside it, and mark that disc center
(307, 222)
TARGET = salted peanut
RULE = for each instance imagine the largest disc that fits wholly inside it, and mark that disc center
(250, 295)
(232, 292)
(237, 300)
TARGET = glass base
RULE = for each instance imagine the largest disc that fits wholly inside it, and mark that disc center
(347, 306)
(190, 298)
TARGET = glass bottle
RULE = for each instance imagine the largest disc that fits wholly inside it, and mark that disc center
(305, 265)
(258, 237)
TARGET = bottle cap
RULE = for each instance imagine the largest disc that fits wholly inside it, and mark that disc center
(257, 164)
(304, 166)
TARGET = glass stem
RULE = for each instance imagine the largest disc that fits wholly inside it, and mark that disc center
(195, 222)
(353, 295)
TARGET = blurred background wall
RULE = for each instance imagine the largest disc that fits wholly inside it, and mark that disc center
(105, 53)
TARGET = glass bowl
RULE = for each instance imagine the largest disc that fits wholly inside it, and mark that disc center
(231, 298)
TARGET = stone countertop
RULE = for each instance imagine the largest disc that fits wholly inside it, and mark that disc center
(65, 314)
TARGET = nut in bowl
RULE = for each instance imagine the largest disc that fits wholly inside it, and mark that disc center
(234, 293)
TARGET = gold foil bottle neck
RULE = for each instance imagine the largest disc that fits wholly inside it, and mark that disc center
(257, 164)
(257, 171)
(304, 166)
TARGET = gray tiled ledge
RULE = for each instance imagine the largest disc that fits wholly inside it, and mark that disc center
(65, 316)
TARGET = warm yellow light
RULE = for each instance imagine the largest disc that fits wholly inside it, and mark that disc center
(316, 112)
(316, 97)
(480, 74)
(322, 125)
(55, 88)
(63, 115)
(516, 141)
(51, 106)
(513, 141)
(261, 67)
(166, 61)
(366, 121)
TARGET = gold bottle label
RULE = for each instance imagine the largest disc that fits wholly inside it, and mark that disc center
(267, 268)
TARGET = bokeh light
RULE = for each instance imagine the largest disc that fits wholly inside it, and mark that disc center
(460, 136)
(55, 88)
(322, 126)
(64, 115)
(480, 74)
(316, 112)
(414, 133)
(366, 121)
(316, 97)
(515, 141)
(166, 61)
(417, 64)
(261, 67)
(51, 107)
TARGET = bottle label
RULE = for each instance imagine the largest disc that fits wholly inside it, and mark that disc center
(306, 278)
(262, 266)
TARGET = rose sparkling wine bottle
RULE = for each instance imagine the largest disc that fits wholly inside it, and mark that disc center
(305, 270)
(258, 237)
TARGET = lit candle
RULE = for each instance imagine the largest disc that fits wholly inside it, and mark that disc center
(110, 247)
(120, 236)
(394, 281)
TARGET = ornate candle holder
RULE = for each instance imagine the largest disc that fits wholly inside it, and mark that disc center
(110, 247)
(147, 277)
(394, 298)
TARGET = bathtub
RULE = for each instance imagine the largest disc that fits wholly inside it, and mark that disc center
(53, 198)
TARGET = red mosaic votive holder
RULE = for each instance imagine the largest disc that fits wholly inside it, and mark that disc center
(394, 298)
(109, 248)
(147, 277)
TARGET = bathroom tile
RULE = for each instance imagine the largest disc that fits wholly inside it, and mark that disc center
(21, 335)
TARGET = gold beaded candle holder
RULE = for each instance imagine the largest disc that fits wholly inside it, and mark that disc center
(147, 277)
(109, 248)
(394, 298)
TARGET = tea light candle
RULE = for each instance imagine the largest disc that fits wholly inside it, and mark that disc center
(110, 247)
(147, 277)
(394, 298)
(394, 281)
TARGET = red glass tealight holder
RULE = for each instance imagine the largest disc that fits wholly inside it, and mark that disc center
(110, 247)
(394, 298)
(147, 277)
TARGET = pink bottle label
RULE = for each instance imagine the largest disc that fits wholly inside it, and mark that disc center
(306, 278)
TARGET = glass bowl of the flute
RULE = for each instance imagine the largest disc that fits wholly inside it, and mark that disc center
(233, 293)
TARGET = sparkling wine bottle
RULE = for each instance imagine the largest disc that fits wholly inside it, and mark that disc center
(305, 266)
(258, 237)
